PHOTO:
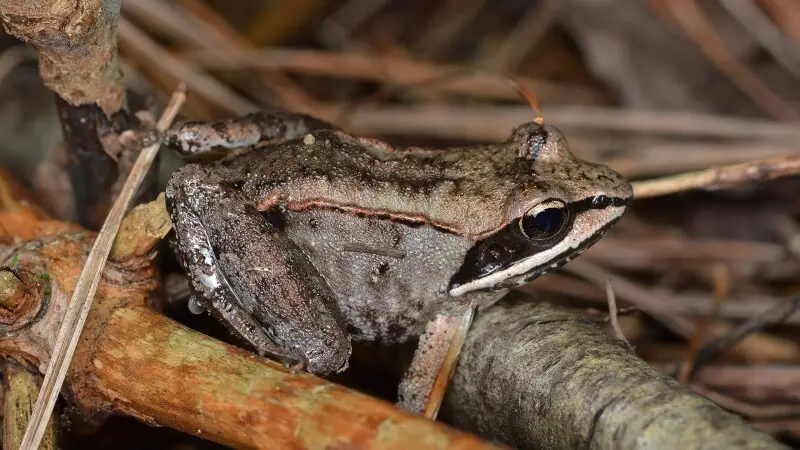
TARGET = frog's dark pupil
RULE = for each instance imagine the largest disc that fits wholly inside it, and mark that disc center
(544, 224)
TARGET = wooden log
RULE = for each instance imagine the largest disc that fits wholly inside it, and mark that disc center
(536, 376)
(150, 367)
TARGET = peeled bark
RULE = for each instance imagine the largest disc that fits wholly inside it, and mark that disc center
(77, 45)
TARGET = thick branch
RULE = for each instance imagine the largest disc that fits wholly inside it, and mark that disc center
(77, 45)
(538, 377)
(146, 365)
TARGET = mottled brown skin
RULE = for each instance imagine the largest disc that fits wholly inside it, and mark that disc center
(313, 237)
(451, 189)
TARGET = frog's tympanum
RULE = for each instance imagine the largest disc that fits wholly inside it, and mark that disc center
(303, 238)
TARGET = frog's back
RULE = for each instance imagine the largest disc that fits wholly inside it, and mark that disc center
(364, 176)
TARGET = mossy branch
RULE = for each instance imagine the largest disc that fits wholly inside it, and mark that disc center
(535, 376)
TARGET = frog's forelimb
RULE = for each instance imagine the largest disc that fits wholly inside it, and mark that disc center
(425, 383)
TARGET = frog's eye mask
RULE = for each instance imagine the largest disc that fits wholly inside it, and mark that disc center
(547, 236)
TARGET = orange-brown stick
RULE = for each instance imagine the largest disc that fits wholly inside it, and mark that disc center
(148, 366)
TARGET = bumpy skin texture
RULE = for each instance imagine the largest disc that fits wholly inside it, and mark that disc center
(300, 243)
(384, 298)
(472, 192)
(196, 138)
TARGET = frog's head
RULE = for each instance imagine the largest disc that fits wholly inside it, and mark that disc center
(559, 206)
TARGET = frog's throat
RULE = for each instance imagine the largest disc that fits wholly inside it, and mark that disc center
(540, 263)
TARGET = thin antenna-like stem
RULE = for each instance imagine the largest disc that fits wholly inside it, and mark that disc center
(85, 288)
(529, 97)
(443, 79)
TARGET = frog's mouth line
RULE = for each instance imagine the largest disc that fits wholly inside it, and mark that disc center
(540, 263)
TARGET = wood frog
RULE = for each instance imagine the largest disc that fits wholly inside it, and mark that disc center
(303, 237)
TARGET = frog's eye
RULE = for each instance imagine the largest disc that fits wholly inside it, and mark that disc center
(545, 220)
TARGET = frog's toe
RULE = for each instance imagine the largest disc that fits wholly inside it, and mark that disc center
(329, 358)
(195, 307)
(294, 365)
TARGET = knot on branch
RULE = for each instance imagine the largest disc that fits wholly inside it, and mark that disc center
(23, 297)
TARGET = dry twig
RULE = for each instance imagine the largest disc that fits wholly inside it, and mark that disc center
(217, 33)
(493, 123)
(691, 18)
(773, 316)
(527, 33)
(132, 39)
(752, 18)
(389, 69)
(612, 312)
(701, 331)
(787, 14)
(760, 347)
(750, 410)
(719, 177)
(640, 297)
(335, 30)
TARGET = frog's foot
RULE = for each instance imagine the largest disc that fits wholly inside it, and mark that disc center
(197, 138)
(294, 365)
(246, 327)
(425, 383)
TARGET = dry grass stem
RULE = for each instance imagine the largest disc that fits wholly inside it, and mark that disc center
(719, 177)
(85, 288)
(720, 276)
(613, 312)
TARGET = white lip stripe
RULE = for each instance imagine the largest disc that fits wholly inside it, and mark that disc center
(526, 265)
